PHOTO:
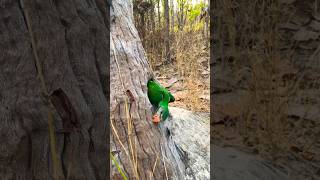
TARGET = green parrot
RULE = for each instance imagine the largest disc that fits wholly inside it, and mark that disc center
(160, 99)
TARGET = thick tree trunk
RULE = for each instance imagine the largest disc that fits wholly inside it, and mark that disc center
(140, 147)
(71, 43)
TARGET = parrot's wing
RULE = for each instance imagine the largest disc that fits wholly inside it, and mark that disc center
(164, 91)
(166, 96)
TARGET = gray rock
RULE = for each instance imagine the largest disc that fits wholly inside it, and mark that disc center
(231, 164)
(188, 140)
(188, 137)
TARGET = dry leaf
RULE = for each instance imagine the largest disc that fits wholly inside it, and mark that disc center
(171, 82)
(180, 95)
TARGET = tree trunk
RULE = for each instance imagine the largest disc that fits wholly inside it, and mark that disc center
(184, 20)
(142, 26)
(180, 15)
(141, 148)
(152, 15)
(159, 14)
(172, 16)
(54, 59)
(167, 33)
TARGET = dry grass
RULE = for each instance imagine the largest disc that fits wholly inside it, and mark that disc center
(192, 62)
(254, 44)
(248, 40)
(190, 56)
(56, 163)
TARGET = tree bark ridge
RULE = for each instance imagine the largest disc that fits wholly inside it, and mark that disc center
(72, 44)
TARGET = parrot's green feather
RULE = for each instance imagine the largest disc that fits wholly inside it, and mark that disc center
(156, 93)
(160, 97)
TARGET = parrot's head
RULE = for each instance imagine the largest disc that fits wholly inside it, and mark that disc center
(161, 114)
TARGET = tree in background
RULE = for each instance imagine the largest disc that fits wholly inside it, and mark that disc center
(167, 31)
(179, 40)
(172, 15)
(142, 8)
(162, 16)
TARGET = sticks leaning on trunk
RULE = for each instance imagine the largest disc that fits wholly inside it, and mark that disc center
(134, 162)
(52, 136)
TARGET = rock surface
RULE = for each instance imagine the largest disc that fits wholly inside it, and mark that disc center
(232, 164)
(188, 134)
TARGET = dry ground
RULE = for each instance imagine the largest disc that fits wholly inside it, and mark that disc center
(188, 76)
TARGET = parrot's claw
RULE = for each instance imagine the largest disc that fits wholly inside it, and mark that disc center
(156, 118)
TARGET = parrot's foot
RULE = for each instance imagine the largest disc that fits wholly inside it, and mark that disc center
(156, 118)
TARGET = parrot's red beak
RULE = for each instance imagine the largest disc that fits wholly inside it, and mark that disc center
(156, 118)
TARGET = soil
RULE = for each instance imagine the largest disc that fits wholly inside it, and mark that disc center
(298, 151)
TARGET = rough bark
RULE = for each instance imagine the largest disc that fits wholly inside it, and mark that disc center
(71, 41)
(129, 65)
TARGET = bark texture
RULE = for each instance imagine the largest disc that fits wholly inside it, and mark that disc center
(156, 156)
(71, 41)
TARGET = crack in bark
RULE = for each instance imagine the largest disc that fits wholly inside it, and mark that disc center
(120, 159)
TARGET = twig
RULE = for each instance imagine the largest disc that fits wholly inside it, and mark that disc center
(52, 136)
(118, 167)
(155, 164)
(129, 121)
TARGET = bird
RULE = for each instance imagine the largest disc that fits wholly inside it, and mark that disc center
(160, 98)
